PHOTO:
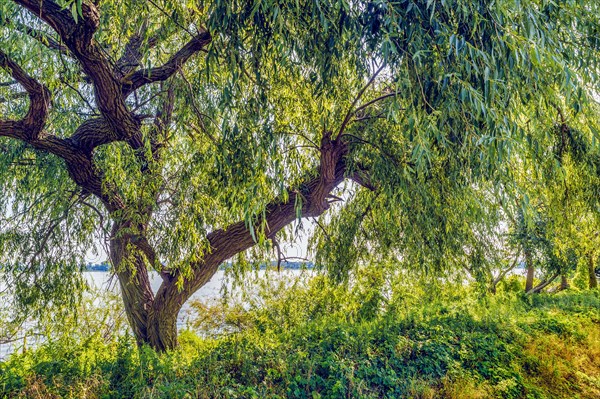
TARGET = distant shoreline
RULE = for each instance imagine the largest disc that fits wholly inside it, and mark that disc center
(105, 267)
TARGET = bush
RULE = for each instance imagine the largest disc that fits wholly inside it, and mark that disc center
(317, 340)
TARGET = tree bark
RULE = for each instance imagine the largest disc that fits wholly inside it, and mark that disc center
(134, 283)
(153, 320)
(162, 325)
(593, 280)
(564, 283)
(530, 270)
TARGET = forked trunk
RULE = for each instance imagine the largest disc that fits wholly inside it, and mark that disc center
(134, 283)
(153, 321)
(153, 317)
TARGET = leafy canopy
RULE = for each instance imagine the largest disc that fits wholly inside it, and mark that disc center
(434, 100)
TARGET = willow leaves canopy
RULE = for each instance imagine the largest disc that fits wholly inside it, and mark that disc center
(175, 135)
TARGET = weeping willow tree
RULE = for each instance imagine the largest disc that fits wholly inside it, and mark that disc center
(177, 135)
(562, 178)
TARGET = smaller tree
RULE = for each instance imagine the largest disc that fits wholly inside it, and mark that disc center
(534, 236)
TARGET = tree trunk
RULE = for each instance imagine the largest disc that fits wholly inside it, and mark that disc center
(593, 281)
(564, 283)
(162, 328)
(153, 322)
(134, 283)
(530, 271)
(153, 318)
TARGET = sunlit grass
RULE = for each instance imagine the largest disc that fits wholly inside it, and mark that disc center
(318, 340)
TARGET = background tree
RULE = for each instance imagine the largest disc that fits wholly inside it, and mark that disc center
(178, 134)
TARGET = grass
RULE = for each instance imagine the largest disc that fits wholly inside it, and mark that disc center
(317, 340)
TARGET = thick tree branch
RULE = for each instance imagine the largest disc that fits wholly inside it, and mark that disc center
(78, 36)
(543, 284)
(75, 34)
(151, 75)
(91, 134)
(30, 130)
(32, 124)
(308, 200)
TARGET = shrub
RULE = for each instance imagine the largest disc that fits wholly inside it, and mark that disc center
(316, 340)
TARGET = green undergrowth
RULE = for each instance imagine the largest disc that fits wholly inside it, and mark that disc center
(318, 340)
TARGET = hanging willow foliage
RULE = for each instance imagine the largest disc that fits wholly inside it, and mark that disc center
(175, 135)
